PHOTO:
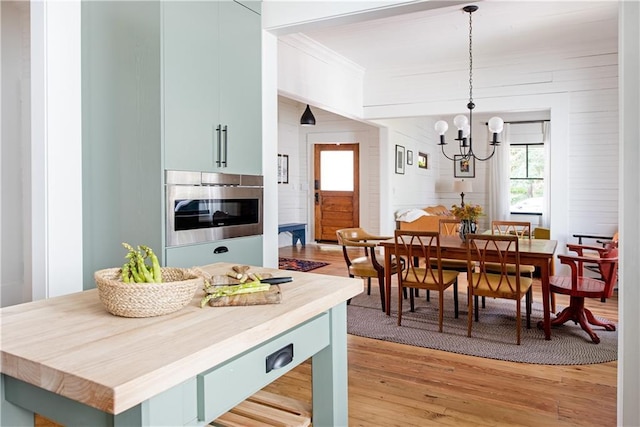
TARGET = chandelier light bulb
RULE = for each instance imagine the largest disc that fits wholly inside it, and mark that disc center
(441, 127)
(460, 121)
(496, 125)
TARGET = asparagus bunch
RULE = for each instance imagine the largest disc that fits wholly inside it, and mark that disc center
(228, 290)
(136, 270)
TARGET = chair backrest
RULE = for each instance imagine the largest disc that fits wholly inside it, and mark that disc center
(521, 229)
(501, 250)
(449, 227)
(358, 238)
(541, 233)
(419, 245)
(608, 264)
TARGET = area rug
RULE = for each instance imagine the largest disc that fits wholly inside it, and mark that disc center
(494, 336)
(299, 264)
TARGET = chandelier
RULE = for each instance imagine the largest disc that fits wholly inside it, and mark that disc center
(464, 123)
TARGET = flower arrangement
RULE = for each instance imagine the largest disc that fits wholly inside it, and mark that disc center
(467, 212)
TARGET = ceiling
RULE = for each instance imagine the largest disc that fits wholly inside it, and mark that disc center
(440, 36)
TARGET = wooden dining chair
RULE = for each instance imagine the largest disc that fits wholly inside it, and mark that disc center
(423, 246)
(520, 229)
(486, 249)
(367, 265)
(578, 287)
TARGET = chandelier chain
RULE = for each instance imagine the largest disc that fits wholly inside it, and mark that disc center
(470, 59)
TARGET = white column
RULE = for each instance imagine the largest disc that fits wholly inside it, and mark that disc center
(56, 132)
(629, 292)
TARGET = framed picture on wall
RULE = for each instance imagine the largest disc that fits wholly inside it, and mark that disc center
(399, 159)
(423, 160)
(409, 157)
(283, 168)
(464, 167)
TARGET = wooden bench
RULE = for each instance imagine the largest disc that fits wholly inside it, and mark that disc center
(267, 409)
(297, 230)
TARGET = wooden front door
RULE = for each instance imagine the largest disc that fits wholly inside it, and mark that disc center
(336, 189)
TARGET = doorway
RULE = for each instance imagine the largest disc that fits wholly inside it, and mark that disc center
(336, 187)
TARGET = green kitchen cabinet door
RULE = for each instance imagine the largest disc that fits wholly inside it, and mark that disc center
(212, 87)
(190, 65)
(241, 88)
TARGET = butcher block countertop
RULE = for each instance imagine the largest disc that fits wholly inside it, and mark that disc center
(72, 346)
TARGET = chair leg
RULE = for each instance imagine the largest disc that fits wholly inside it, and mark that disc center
(455, 298)
(411, 300)
(592, 319)
(470, 299)
(400, 292)
(368, 285)
(440, 310)
(428, 296)
(475, 297)
(381, 284)
(582, 316)
(528, 297)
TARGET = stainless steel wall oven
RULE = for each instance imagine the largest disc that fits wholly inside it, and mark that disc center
(205, 207)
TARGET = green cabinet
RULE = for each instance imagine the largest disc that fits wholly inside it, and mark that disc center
(212, 87)
(240, 250)
(158, 78)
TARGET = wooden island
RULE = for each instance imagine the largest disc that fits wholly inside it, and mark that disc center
(69, 360)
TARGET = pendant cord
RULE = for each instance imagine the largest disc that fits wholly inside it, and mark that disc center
(470, 59)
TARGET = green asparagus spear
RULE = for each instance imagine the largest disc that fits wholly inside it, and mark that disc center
(155, 264)
(126, 273)
(243, 288)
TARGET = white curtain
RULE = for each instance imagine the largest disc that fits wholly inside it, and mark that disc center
(546, 128)
(499, 195)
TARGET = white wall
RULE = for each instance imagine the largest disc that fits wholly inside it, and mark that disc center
(15, 234)
(295, 199)
(331, 81)
(579, 88)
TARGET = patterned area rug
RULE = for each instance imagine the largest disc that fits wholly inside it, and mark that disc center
(299, 264)
(494, 336)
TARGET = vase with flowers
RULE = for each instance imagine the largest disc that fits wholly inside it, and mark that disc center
(468, 216)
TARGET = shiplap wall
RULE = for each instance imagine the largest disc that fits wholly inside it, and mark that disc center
(295, 199)
(587, 77)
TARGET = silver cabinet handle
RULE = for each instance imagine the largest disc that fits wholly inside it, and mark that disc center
(219, 144)
(225, 134)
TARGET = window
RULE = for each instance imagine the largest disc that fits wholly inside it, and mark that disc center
(526, 178)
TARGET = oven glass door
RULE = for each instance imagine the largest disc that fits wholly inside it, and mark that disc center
(191, 214)
(198, 214)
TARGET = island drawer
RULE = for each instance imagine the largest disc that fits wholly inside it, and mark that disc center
(224, 386)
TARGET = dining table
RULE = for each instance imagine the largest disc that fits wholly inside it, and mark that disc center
(536, 252)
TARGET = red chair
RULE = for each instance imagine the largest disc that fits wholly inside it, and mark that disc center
(578, 287)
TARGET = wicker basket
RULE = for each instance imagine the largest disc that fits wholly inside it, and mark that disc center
(147, 299)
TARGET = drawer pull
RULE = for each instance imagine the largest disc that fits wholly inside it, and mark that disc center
(221, 250)
(280, 358)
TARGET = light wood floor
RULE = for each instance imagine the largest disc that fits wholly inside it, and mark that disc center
(399, 385)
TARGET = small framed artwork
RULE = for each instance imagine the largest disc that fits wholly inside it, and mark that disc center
(409, 157)
(464, 167)
(283, 168)
(423, 160)
(399, 159)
